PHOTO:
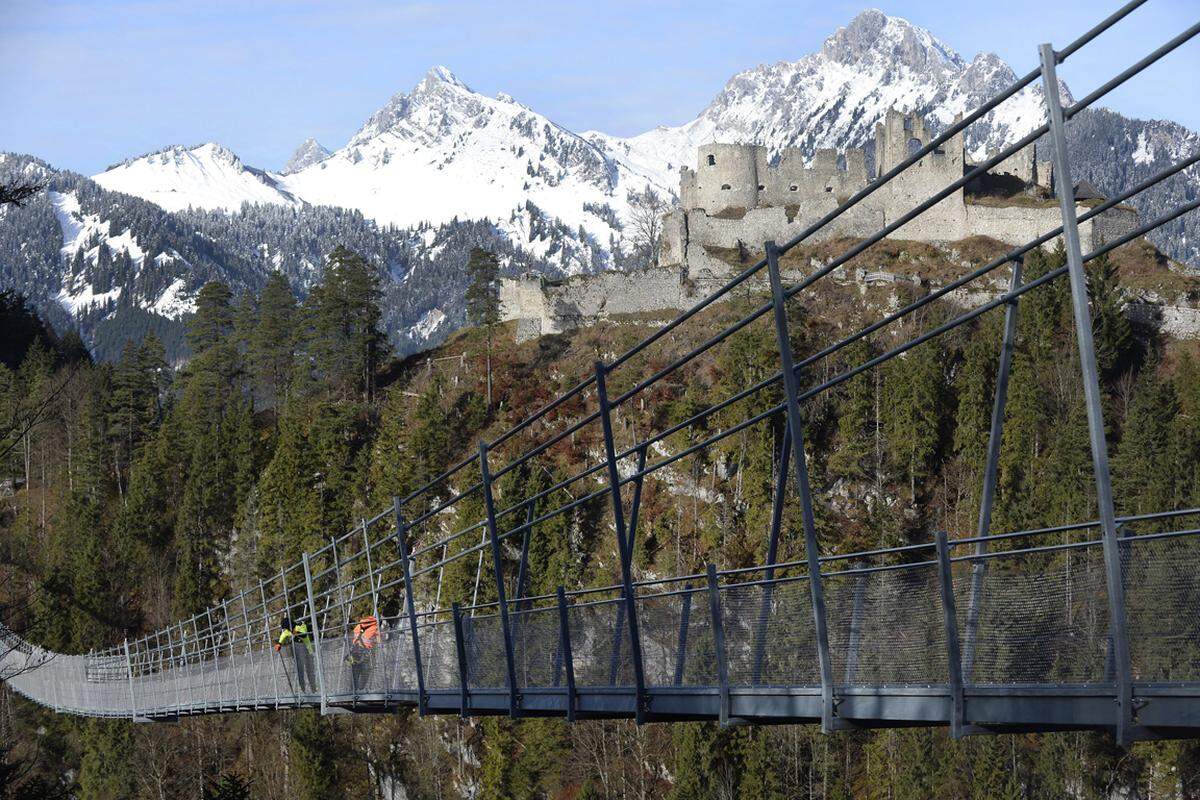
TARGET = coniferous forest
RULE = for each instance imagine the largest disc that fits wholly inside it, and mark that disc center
(132, 493)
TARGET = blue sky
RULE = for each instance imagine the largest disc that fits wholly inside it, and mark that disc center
(86, 84)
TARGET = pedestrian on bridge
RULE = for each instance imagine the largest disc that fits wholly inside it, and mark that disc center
(299, 641)
(363, 639)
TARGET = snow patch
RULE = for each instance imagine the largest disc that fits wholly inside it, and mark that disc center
(172, 303)
(429, 322)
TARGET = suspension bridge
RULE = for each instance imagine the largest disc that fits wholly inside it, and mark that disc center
(1084, 626)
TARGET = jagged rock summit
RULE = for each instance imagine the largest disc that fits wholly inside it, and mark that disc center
(308, 153)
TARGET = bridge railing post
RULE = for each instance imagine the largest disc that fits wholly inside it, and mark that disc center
(685, 613)
(718, 628)
(777, 504)
(212, 684)
(274, 662)
(796, 427)
(248, 651)
(988, 494)
(410, 603)
(564, 646)
(129, 670)
(233, 666)
(316, 634)
(1091, 391)
(514, 698)
(366, 535)
(624, 546)
(634, 510)
(460, 647)
(950, 617)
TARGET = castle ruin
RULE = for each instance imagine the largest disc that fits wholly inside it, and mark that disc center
(738, 197)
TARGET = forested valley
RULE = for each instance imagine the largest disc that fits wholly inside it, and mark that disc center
(132, 494)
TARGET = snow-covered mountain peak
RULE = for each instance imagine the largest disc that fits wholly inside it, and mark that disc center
(440, 89)
(875, 39)
(308, 153)
(208, 175)
(442, 74)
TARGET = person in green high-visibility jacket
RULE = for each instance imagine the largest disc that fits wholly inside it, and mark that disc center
(299, 641)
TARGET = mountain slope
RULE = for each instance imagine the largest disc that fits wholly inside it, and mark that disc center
(205, 176)
(443, 151)
(115, 266)
(834, 97)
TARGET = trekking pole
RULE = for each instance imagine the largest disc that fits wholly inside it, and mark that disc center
(283, 663)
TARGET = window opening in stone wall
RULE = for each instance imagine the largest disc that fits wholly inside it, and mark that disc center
(712, 161)
(829, 188)
(914, 146)
(761, 187)
(726, 186)
(793, 188)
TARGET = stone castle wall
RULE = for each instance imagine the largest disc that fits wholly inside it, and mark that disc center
(737, 198)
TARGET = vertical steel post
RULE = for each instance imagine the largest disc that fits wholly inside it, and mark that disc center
(216, 664)
(777, 503)
(410, 604)
(371, 575)
(179, 678)
(634, 509)
(262, 590)
(718, 627)
(522, 579)
(950, 615)
(129, 671)
(564, 633)
(249, 647)
(685, 614)
(624, 548)
(460, 647)
(233, 667)
(796, 426)
(287, 610)
(1091, 391)
(523, 565)
(316, 634)
(988, 496)
(498, 569)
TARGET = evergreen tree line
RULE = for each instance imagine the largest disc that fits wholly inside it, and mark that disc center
(145, 492)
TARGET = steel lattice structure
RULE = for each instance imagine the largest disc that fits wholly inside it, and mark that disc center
(1098, 633)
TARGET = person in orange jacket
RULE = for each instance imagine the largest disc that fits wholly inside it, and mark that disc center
(363, 639)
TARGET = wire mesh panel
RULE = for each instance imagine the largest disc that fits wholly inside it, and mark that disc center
(396, 663)
(770, 634)
(1042, 617)
(487, 667)
(665, 622)
(886, 626)
(1162, 601)
(439, 653)
(600, 643)
(536, 646)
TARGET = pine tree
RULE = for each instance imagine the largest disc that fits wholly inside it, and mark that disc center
(483, 300)
(345, 340)
(1111, 329)
(272, 342)
(314, 757)
(213, 320)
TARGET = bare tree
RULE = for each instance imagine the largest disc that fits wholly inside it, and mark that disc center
(646, 210)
